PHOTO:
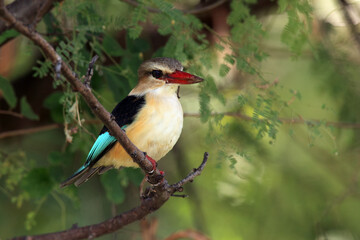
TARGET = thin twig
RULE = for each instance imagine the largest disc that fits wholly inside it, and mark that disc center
(28, 12)
(189, 178)
(159, 195)
(58, 69)
(284, 120)
(197, 115)
(29, 131)
(161, 192)
(350, 22)
(188, 234)
(11, 113)
(90, 71)
(197, 10)
(99, 110)
(43, 128)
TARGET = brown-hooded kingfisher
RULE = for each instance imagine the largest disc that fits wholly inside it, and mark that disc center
(151, 115)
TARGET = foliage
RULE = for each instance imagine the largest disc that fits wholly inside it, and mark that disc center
(297, 30)
(274, 179)
(8, 35)
(8, 92)
(26, 109)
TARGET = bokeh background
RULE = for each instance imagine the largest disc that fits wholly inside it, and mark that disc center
(278, 114)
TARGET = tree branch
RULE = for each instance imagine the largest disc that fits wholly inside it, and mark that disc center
(350, 22)
(189, 178)
(188, 234)
(284, 120)
(161, 191)
(150, 203)
(197, 115)
(28, 12)
(25, 131)
(137, 155)
(90, 71)
(201, 8)
(28, 130)
(11, 113)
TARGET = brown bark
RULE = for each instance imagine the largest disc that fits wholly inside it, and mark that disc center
(28, 12)
(156, 196)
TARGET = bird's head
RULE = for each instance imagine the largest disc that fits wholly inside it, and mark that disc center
(162, 72)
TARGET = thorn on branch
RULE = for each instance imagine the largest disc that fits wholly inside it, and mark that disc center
(155, 180)
(74, 226)
(350, 21)
(133, 155)
(160, 194)
(148, 193)
(58, 69)
(90, 71)
(190, 178)
(180, 195)
(112, 117)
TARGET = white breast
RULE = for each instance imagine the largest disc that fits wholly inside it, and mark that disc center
(160, 123)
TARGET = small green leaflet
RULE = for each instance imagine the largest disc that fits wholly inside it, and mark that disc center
(37, 183)
(26, 110)
(8, 35)
(8, 92)
(224, 70)
(114, 191)
(112, 47)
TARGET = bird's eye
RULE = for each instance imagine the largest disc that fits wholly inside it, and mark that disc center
(157, 73)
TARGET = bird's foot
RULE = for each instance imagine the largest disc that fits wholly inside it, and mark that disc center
(159, 179)
(162, 173)
(153, 162)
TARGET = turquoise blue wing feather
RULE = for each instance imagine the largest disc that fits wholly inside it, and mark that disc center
(102, 142)
(125, 113)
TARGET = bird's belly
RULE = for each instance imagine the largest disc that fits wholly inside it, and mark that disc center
(157, 128)
(162, 137)
(155, 131)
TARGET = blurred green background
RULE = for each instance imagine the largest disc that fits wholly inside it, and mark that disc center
(278, 113)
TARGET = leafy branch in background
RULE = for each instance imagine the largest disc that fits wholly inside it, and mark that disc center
(156, 196)
(185, 42)
(241, 106)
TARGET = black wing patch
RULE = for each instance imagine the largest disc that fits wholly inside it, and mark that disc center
(126, 111)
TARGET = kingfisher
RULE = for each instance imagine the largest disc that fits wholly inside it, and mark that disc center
(151, 116)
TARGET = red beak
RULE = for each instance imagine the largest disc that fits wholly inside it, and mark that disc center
(179, 77)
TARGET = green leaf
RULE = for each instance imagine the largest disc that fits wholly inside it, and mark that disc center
(8, 34)
(242, 100)
(53, 103)
(26, 110)
(38, 183)
(204, 106)
(53, 100)
(229, 59)
(224, 70)
(30, 220)
(135, 175)
(55, 157)
(135, 31)
(139, 15)
(112, 47)
(118, 84)
(113, 188)
(8, 92)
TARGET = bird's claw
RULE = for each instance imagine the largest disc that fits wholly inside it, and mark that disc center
(153, 162)
(159, 179)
